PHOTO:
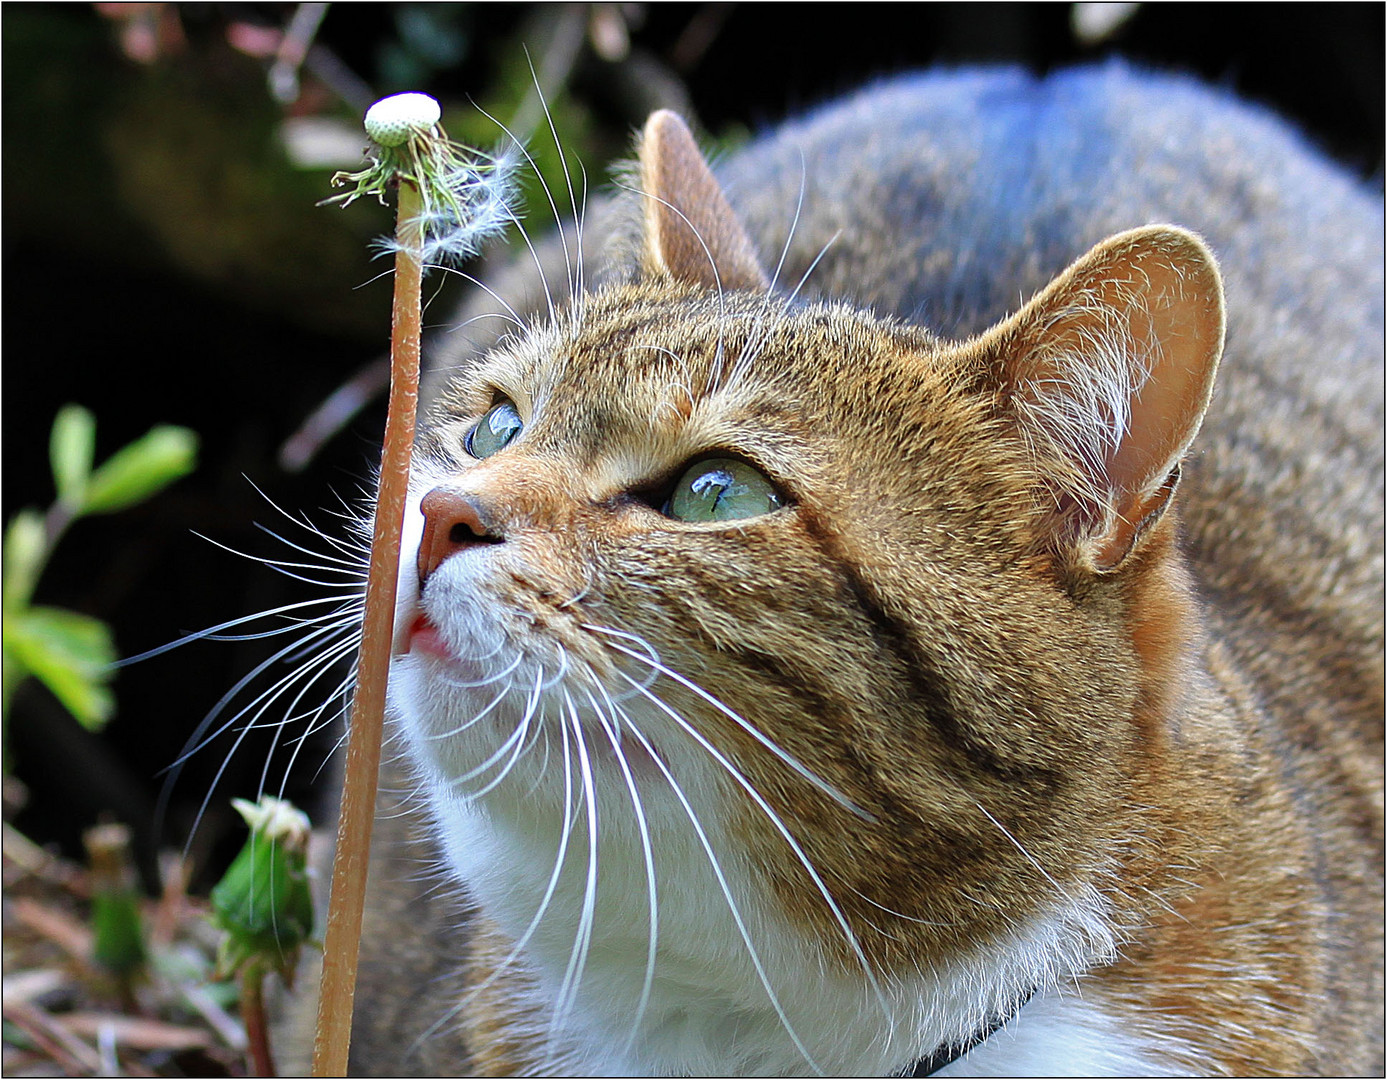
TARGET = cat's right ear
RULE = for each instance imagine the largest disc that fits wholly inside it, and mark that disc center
(690, 233)
(1108, 372)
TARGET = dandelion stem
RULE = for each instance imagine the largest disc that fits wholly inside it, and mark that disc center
(253, 1016)
(347, 899)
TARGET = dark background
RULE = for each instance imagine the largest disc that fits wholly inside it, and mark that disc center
(163, 263)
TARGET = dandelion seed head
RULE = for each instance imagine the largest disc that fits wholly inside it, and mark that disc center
(467, 196)
(472, 200)
(395, 120)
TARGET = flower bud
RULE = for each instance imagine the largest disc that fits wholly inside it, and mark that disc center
(263, 902)
(117, 935)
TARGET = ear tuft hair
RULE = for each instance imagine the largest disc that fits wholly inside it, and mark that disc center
(1108, 372)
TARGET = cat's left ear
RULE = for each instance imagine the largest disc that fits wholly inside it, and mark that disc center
(690, 233)
(1108, 372)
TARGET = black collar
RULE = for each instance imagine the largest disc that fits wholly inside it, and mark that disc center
(948, 1053)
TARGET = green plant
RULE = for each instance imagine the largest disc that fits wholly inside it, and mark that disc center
(264, 907)
(71, 653)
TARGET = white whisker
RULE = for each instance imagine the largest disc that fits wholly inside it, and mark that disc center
(646, 850)
(196, 741)
(550, 887)
(473, 684)
(575, 281)
(510, 314)
(355, 545)
(805, 276)
(848, 935)
(582, 940)
(553, 206)
(516, 739)
(1019, 846)
(464, 726)
(210, 633)
(562, 672)
(316, 668)
(716, 866)
(751, 729)
(349, 617)
(716, 374)
(351, 560)
(794, 227)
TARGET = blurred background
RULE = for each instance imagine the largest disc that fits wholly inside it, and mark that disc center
(165, 263)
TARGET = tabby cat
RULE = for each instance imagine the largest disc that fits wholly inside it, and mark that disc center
(814, 656)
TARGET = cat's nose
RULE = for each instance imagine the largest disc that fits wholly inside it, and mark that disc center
(452, 521)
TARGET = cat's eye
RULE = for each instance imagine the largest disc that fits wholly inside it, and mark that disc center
(722, 489)
(495, 431)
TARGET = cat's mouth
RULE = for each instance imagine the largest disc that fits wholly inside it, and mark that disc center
(423, 637)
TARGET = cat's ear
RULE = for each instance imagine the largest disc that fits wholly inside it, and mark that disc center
(1109, 371)
(690, 233)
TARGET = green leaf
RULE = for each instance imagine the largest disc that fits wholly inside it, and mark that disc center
(25, 544)
(71, 653)
(137, 471)
(70, 448)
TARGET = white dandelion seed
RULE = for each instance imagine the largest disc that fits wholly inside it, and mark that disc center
(467, 196)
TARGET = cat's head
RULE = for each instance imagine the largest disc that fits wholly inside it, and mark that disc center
(885, 624)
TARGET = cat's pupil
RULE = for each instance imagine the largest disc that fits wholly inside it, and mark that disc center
(722, 489)
(497, 428)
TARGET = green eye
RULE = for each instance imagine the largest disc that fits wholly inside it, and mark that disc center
(722, 489)
(497, 428)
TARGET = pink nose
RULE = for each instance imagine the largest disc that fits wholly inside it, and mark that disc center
(452, 521)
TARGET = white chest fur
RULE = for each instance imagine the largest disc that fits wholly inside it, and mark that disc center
(1061, 1034)
(556, 854)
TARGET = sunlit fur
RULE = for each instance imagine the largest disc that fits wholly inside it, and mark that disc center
(952, 734)
(847, 798)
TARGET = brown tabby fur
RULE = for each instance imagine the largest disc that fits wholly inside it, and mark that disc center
(1032, 660)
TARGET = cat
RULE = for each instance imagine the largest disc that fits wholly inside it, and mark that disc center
(916, 606)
